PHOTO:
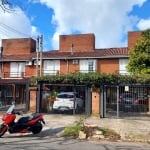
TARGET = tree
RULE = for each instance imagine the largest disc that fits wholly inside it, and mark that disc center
(5, 5)
(139, 60)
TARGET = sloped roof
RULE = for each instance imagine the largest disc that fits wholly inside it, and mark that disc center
(98, 53)
(56, 54)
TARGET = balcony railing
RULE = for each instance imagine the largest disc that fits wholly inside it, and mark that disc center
(50, 73)
(13, 75)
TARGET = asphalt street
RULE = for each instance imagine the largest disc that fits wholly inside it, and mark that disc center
(38, 142)
(49, 138)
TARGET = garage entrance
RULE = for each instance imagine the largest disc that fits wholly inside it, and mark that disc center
(126, 101)
(68, 104)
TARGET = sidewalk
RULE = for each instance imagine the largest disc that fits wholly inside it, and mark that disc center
(137, 130)
(129, 130)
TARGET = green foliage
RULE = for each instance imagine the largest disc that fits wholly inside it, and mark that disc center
(72, 130)
(93, 80)
(139, 61)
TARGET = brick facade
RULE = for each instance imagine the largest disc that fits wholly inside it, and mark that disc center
(95, 102)
(33, 98)
(67, 66)
(132, 38)
(108, 65)
(80, 42)
(18, 46)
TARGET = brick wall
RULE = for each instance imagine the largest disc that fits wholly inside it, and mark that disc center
(6, 70)
(81, 42)
(18, 46)
(30, 71)
(33, 99)
(95, 102)
(108, 65)
(132, 38)
(103, 66)
(67, 66)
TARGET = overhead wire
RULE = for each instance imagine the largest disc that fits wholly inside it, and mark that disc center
(12, 29)
(6, 28)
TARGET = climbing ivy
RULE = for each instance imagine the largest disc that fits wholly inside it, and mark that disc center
(91, 79)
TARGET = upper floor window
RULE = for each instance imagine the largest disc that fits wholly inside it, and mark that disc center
(17, 69)
(88, 65)
(51, 67)
(122, 66)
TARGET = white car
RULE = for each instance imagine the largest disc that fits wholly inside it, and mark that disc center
(67, 101)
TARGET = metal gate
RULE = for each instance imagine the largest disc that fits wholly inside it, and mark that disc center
(17, 92)
(121, 101)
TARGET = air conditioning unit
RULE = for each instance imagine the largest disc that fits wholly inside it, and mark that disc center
(29, 63)
(35, 62)
(75, 61)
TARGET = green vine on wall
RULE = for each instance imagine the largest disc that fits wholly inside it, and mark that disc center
(92, 79)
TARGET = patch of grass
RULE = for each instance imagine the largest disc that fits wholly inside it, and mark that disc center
(72, 130)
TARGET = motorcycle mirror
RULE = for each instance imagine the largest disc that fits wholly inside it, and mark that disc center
(13, 102)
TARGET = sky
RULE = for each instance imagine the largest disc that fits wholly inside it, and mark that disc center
(109, 20)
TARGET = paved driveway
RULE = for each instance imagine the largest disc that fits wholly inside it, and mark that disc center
(137, 130)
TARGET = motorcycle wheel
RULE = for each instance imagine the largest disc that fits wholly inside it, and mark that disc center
(3, 129)
(35, 129)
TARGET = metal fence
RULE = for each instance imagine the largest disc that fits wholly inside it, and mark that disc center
(119, 101)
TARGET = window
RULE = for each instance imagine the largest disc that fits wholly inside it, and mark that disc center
(51, 67)
(122, 66)
(16, 69)
(88, 65)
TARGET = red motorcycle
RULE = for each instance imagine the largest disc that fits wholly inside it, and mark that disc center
(33, 123)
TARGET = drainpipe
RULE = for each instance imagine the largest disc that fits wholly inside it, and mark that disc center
(1, 61)
(67, 66)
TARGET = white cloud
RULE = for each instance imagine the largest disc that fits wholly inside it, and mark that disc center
(15, 25)
(109, 20)
(143, 24)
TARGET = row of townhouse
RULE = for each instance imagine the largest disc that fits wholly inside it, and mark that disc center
(19, 61)
(77, 53)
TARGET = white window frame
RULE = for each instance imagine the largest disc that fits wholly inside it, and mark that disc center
(16, 69)
(85, 65)
(51, 67)
(122, 66)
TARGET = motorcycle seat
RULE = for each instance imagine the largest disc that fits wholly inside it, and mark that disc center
(28, 118)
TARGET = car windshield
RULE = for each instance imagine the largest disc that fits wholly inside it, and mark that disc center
(65, 96)
(128, 95)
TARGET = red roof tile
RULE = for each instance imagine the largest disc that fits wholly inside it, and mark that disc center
(98, 53)
(56, 54)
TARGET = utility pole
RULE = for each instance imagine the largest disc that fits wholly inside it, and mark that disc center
(41, 51)
(37, 56)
